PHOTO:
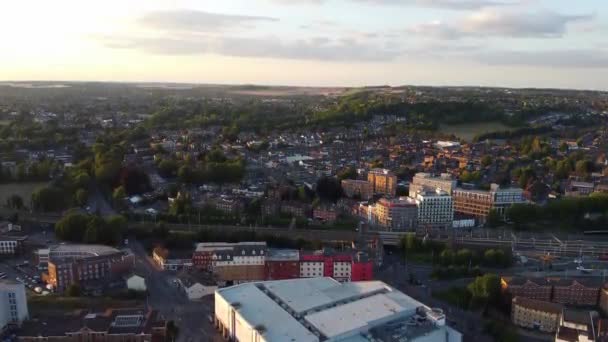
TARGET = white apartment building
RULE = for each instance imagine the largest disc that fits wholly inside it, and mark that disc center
(240, 254)
(425, 181)
(323, 309)
(13, 304)
(435, 209)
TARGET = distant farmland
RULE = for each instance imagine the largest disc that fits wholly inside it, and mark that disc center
(24, 190)
(469, 131)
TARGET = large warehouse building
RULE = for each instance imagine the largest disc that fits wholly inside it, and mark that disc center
(323, 309)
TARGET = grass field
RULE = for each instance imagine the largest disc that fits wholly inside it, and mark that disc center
(4, 122)
(469, 131)
(22, 189)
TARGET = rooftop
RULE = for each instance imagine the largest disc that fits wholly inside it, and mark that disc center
(93, 250)
(317, 309)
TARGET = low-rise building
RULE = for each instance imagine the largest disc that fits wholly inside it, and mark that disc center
(577, 326)
(326, 214)
(536, 314)
(322, 309)
(395, 214)
(171, 260)
(532, 288)
(576, 291)
(359, 189)
(94, 267)
(13, 304)
(112, 325)
(11, 245)
(282, 264)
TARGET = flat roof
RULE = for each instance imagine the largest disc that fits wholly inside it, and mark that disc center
(302, 309)
(259, 310)
(354, 316)
(306, 294)
(95, 250)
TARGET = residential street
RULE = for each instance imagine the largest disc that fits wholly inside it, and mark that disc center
(192, 318)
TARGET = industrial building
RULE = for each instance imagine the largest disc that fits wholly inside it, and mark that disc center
(323, 309)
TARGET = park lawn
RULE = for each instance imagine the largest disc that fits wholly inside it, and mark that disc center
(468, 131)
(24, 190)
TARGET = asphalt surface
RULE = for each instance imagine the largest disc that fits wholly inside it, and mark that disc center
(192, 318)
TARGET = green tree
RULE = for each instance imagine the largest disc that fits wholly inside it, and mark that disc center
(583, 167)
(172, 331)
(167, 167)
(73, 291)
(82, 196)
(485, 288)
(118, 195)
(494, 219)
(72, 227)
(486, 160)
(49, 198)
(115, 228)
(15, 202)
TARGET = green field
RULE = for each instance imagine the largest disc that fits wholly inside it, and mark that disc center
(4, 122)
(22, 189)
(469, 131)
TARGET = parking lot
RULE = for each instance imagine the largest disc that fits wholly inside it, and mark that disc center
(23, 272)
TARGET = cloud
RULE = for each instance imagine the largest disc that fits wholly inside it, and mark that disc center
(198, 21)
(490, 22)
(584, 58)
(318, 48)
(445, 4)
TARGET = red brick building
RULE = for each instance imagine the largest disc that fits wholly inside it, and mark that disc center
(282, 264)
(576, 291)
(532, 288)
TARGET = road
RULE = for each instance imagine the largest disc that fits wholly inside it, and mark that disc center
(165, 296)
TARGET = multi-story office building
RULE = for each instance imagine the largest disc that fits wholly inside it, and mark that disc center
(361, 189)
(13, 304)
(322, 309)
(435, 209)
(425, 181)
(93, 267)
(479, 203)
(112, 325)
(398, 214)
(536, 314)
(383, 182)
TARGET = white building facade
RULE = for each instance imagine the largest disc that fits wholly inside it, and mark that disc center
(322, 309)
(435, 209)
(13, 304)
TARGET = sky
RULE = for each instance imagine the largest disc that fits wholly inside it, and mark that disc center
(514, 43)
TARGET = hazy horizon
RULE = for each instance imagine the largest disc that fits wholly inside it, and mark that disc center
(314, 43)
